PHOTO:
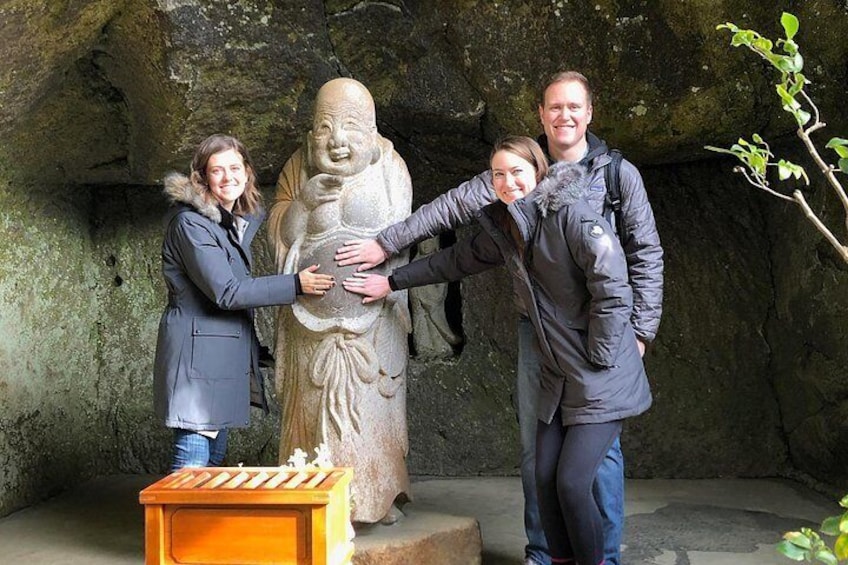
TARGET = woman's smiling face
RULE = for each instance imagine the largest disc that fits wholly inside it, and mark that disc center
(512, 176)
(227, 177)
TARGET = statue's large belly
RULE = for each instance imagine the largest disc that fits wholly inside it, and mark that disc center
(338, 309)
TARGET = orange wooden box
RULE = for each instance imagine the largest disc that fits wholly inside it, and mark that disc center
(248, 516)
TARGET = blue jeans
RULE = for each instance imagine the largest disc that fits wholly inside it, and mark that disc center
(194, 450)
(609, 482)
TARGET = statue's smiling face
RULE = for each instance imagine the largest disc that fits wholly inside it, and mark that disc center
(343, 138)
(343, 135)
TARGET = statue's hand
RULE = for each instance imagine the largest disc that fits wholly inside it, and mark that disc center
(372, 287)
(322, 188)
(367, 253)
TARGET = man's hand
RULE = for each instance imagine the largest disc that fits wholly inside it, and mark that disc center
(315, 283)
(365, 251)
(372, 287)
(641, 345)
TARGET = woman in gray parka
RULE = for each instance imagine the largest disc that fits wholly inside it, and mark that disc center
(574, 285)
(207, 352)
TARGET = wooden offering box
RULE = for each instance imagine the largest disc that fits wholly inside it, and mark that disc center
(248, 516)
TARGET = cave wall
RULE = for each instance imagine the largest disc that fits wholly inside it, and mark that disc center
(100, 99)
(50, 382)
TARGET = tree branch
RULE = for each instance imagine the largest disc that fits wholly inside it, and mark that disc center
(762, 186)
(808, 212)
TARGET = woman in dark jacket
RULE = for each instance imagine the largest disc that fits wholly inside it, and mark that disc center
(573, 283)
(206, 370)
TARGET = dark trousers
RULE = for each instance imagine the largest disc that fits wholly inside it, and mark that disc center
(567, 460)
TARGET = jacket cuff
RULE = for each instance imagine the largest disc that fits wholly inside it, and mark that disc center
(383, 242)
(392, 284)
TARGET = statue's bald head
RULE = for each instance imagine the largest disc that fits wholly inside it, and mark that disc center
(344, 139)
(346, 95)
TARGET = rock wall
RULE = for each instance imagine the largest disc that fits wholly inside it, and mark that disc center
(51, 387)
(100, 99)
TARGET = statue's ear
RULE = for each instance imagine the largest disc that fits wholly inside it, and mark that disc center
(376, 152)
(309, 165)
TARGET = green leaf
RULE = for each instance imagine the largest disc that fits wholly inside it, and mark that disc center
(841, 151)
(797, 84)
(719, 150)
(830, 526)
(791, 551)
(826, 557)
(796, 171)
(796, 63)
(790, 24)
(758, 163)
(843, 165)
(798, 539)
(789, 46)
(843, 523)
(739, 38)
(762, 44)
(783, 172)
(844, 502)
(840, 547)
(839, 142)
(802, 117)
(783, 63)
(788, 99)
(757, 139)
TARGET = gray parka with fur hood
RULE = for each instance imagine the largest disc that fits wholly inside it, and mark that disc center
(574, 284)
(207, 349)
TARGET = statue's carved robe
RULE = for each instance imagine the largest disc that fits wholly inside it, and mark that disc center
(341, 364)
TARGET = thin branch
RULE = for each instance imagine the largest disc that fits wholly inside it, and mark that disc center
(761, 185)
(808, 212)
(817, 123)
(826, 170)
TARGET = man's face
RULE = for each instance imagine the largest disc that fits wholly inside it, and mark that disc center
(565, 114)
(343, 137)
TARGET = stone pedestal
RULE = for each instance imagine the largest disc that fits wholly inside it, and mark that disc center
(420, 537)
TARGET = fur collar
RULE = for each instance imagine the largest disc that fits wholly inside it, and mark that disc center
(179, 189)
(564, 184)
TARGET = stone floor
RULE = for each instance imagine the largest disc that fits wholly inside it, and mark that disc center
(669, 522)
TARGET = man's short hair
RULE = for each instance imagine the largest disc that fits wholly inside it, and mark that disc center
(565, 76)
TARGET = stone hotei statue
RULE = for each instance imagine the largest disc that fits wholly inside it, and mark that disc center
(341, 364)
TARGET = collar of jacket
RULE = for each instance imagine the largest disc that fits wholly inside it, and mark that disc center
(564, 184)
(597, 148)
(180, 190)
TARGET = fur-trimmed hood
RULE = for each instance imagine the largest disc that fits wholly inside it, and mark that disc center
(179, 189)
(564, 184)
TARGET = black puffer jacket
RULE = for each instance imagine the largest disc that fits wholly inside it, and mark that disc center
(461, 205)
(575, 289)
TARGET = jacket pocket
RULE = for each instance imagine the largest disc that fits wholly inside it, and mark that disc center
(217, 349)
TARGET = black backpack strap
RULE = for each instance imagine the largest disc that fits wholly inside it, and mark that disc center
(612, 178)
